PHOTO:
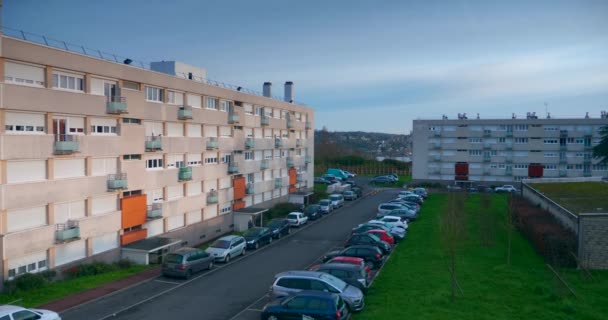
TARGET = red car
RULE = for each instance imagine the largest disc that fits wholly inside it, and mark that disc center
(352, 260)
(383, 235)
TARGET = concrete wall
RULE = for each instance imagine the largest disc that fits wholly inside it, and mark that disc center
(593, 240)
(565, 217)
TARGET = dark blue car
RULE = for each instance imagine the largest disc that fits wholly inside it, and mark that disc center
(316, 304)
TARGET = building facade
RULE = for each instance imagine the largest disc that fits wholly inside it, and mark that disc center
(505, 150)
(95, 155)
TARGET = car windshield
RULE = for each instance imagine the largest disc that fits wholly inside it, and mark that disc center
(292, 216)
(221, 244)
(275, 223)
(312, 209)
(324, 202)
(174, 258)
(337, 283)
(334, 197)
(348, 192)
(252, 232)
(373, 236)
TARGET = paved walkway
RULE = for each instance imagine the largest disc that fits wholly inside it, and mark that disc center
(79, 298)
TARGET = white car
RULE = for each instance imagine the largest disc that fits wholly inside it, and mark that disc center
(394, 221)
(505, 188)
(337, 200)
(225, 248)
(395, 230)
(297, 219)
(15, 312)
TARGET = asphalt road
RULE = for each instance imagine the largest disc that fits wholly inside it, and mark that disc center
(236, 290)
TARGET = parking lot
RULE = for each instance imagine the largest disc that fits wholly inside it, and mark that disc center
(237, 290)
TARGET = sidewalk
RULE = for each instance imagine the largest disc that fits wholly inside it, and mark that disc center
(79, 298)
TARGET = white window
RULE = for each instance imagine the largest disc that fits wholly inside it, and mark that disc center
(103, 87)
(226, 157)
(267, 154)
(73, 210)
(268, 133)
(155, 227)
(551, 141)
(154, 94)
(248, 132)
(175, 129)
(475, 140)
(267, 112)
(258, 155)
(176, 98)
(104, 204)
(226, 208)
(153, 128)
(248, 108)
(31, 263)
(155, 196)
(68, 81)
(550, 154)
(194, 100)
(521, 140)
(225, 183)
(521, 127)
(225, 105)
(210, 131)
(175, 192)
(27, 218)
(284, 134)
(104, 166)
(105, 242)
(225, 131)
(69, 252)
(175, 222)
(258, 133)
(194, 188)
(211, 103)
(276, 113)
(68, 168)
(154, 163)
(103, 126)
(194, 130)
(24, 74)
(210, 185)
(211, 158)
(68, 125)
(550, 167)
(210, 212)
(259, 111)
(194, 159)
(24, 123)
(550, 128)
(175, 160)
(194, 216)
(580, 141)
(248, 155)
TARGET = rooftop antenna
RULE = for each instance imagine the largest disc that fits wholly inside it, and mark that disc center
(547, 109)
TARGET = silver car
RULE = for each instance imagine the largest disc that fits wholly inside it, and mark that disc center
(289, 282)
(225, 248)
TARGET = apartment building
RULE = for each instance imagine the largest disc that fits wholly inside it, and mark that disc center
(505, 150)
(95, 155)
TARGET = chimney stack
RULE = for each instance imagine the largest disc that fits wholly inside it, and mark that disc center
(267, 89)
(288, 97)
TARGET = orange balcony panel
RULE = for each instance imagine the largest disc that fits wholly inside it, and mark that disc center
(292, 176)
(239, 204)
(133, 211)
(238, 184)
(133, 236)
(292, 189)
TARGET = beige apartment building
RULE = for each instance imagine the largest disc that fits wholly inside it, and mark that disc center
(95, 155)
(497, 151)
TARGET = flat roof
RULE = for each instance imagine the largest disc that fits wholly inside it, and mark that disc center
(151, 244)
(251, 210)
(301, 193)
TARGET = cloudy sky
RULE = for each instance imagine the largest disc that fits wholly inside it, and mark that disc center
(363, 65)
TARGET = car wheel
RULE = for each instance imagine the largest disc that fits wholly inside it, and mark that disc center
(288, 230)
(188, 274)
(270, 240)
(210, 265)
(257, 245)
(272, 317)
(227, 259)
(279, 235)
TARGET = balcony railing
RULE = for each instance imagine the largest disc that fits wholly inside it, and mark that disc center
(563, 147)
(264, 164)
(299, 178)
(436, 145)
(65, 144)
(249, 143)
(212, 197)
(587, 173)
(509, 146)
(233, 118)
(154, 143)
(563, 160)
(67, 231)
(290, 162)
(436, 158)
(250, 189)
(487, 145)
(278, 143)
(508, 171)
(116, 105)
(184, 174)
(264, 120)
(184, 113)
(437, 133)
(154, 211)
(298, 143)
(509, 134)
(563, 173)
(487, 158)
(278, 183)
(563, 133)
(509, 160)
(233, 167)
(212, 143)
(117, 181)
(289, 124)
(307, 125)
(487, 133)
(307, 159)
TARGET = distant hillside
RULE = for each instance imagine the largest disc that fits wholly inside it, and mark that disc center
(366, 144)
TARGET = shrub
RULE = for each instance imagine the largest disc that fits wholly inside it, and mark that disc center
(90, 269)
(25, 282)
(125, 264)
(282, 209)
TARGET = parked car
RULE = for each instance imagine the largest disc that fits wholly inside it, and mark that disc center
(314, 304)
(381, 180)
(415, 207)
(338, 173)
(421, 192)
(279, 227)
(484, 189)
(352, 260)
(330, 177)
(337, 200)
(385, 208)
(325, 206)
(290, 282)
(297, 219)
(225, 248)
(394, 176)
(349, 195)
(351, 174)
(355, 275)
(413, 198)
(505, 188)
(321, 180)
(351, 182)
(398, 232)
(454, 187)
(404, 214)
(370, 254)
(383, 235)
(358, 191)
(8, 312)
(368, 239)
(313, 212)
(257, 237)
(394, 221)
(186, 261)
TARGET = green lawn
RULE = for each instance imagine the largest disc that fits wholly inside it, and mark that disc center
(56, 290)
(578, 197)
(415, 282)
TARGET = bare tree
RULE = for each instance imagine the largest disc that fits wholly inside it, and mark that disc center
(451, 224)
(510, 225)
(486, 221)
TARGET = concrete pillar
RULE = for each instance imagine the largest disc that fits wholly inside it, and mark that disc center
(48, 77)
(1, 63)
(165, 95)
(87, 83)
(50, 175)
(4, 269)
(88, 166)
(50, 214)
(88, 203)
(165, 225)
(51, 255)
(87, 125)
(3, 221)
(89, 246)
(2, 117)
(49, 122)
(2, 171)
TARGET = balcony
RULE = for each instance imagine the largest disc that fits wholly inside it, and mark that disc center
(588, 146)
(437, 133)
(436, 158)
(508, 159)
(563, 133)
(212, 197)
(264, 120)
(563, 147)
(487, 145)
(307, 159)
(298, 143)
(250, 189)
(509, 146)
(509, 171)
(184, 113)
(117, 181)
(436, 145)
(307, 125)
(487, 158)
(278, 143)
(154, 211)
(233, 118)
(289, 124)
(154, 143)
(65, 144)
(290, 162)
(233, 167)
(249, 143)
(587, 173)
(487, 133)
(65, 232)
(300, 178)
(563, 173)
(212, 143)
(184, 174)
(509, 134)
(563, 160)
(116, 105)
(264, 164)
(278, 183)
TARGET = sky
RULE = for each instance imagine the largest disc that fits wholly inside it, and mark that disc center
(362, 65)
